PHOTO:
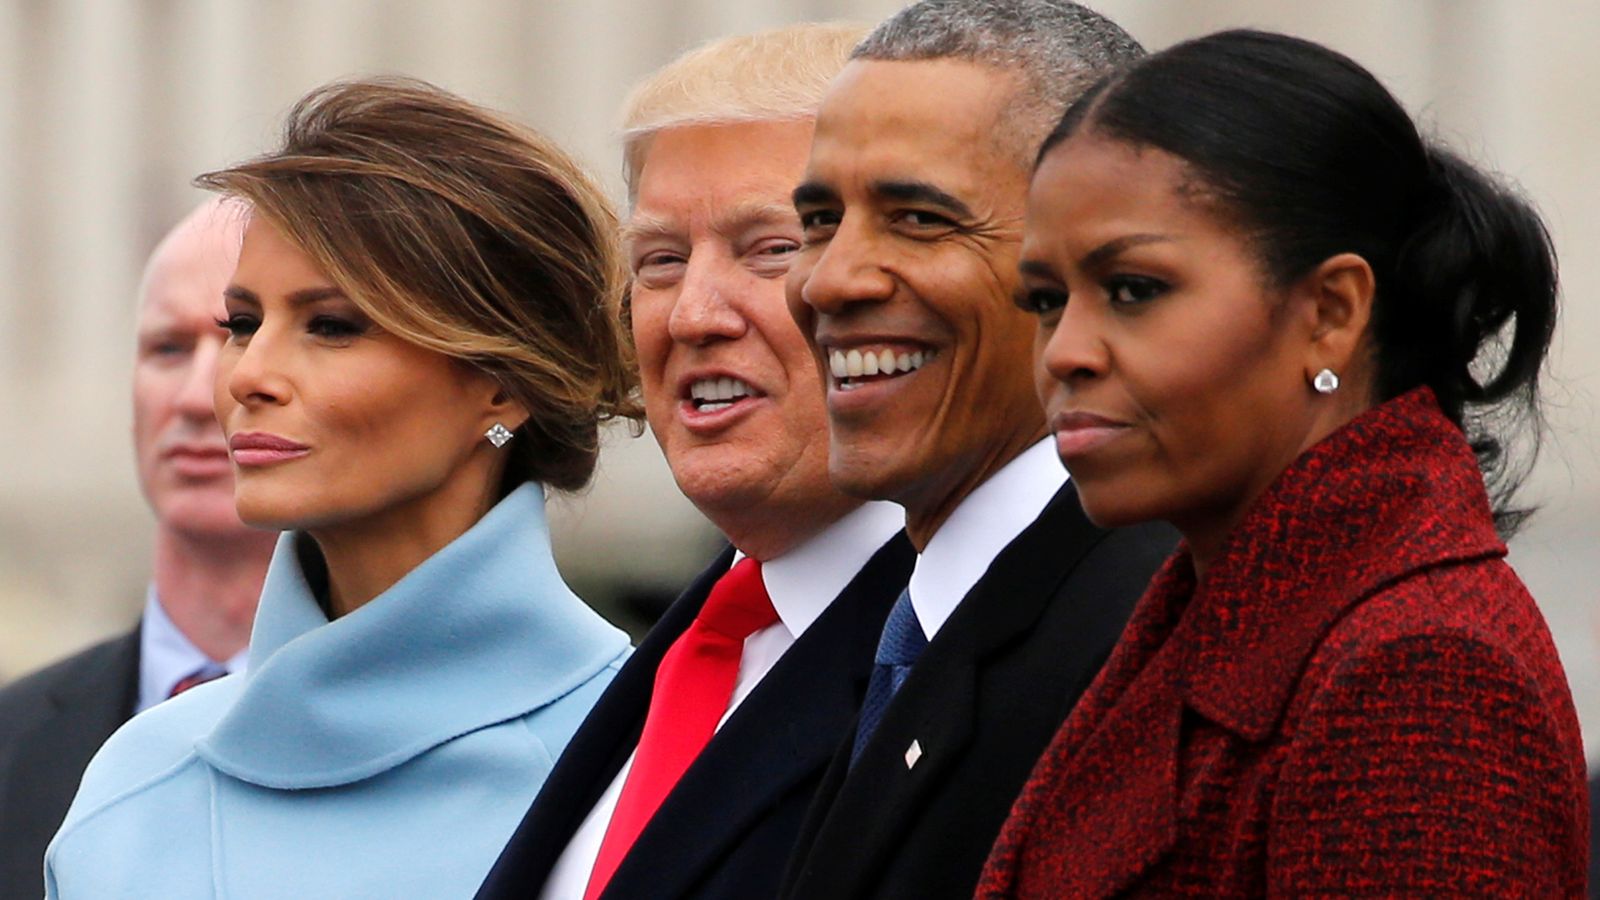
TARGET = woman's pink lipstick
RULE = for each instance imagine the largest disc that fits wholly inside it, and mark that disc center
(260, 449)
(1078, 433)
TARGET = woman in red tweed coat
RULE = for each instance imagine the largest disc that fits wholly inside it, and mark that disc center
(1261, 296)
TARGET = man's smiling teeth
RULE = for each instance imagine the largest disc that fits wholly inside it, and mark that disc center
(713, 394)
(846, 364)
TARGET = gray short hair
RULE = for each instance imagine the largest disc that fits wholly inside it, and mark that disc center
(1057, 48)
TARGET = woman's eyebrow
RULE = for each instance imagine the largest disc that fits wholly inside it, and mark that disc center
(1108, 251)
(306, 296)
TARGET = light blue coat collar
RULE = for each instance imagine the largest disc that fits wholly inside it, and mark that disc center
(483, 631)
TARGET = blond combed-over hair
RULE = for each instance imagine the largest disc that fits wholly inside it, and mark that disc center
(465, 233)
(774, 75)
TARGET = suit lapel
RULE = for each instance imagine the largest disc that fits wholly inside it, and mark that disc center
(1120, 746)
(783, 734)
(938, 707)
(921, 736)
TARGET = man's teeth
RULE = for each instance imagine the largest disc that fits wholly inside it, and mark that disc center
(856, 364)
(712, 394)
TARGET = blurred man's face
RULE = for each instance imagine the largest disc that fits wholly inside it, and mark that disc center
(183, 461)
(731, 391)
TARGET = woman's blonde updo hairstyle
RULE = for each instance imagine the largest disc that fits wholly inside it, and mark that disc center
(465, 233)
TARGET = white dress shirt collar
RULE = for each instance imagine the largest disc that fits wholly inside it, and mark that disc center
(805, 580)
(167, 656)
(990, 517)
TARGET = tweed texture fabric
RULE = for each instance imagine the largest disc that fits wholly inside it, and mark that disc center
(1360, 698)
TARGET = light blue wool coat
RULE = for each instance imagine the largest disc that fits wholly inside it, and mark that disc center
(387, 754)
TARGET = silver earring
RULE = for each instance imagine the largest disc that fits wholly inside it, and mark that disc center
(498, 435)
(1326, 382)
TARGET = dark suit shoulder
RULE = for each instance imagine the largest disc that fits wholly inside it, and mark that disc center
(51, 723)
(915, 815)
(109, 664)
(1126, 558)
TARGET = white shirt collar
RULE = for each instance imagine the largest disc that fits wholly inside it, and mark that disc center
(990, 517)
(805, 580)
(167, 656)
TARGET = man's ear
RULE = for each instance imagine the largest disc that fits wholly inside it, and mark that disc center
(1340, 293)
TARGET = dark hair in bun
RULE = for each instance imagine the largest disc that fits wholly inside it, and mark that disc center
(1312, 157)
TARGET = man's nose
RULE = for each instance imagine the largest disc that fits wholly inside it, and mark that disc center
(705, 309)
(196, 393)
(848, 269)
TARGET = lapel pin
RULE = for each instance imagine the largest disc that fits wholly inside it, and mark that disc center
(913, 753)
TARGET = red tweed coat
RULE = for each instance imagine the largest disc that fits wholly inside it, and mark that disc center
(1360, 699)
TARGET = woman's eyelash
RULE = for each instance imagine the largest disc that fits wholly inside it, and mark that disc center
(237, 324)
(1041, 301)
(1134, 289)
(335, 327)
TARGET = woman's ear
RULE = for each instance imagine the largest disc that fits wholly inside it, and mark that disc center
(1340, 293)
(506, 410)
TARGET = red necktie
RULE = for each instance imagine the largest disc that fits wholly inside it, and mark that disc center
(693, 686)
(197, 677)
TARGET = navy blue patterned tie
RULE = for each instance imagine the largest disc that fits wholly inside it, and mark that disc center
(902, 642)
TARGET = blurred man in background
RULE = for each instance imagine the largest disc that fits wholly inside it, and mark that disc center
(691, 776)
(207, 570)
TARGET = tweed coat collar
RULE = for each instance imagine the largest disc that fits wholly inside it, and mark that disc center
(1394, 491)
(482, 632)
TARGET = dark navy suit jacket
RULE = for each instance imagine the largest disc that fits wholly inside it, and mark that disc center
(728, 826)
(981, 704)
(51, 724)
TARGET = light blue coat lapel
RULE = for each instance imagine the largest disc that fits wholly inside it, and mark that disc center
(330, 703)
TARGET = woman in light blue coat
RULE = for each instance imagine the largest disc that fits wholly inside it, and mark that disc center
(423, 336)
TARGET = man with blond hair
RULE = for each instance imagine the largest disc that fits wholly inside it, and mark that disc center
(207, 571)
(691, 776)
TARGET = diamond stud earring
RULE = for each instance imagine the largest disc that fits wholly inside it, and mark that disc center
(1326, 382)
(498, 435)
